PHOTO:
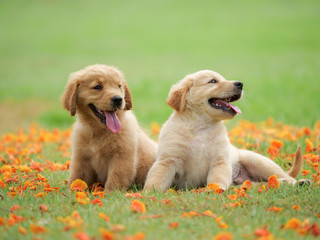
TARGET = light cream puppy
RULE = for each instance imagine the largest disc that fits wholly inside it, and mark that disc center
(194, 148)
(108, 145)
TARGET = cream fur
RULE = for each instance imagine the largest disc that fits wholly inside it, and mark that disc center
(194, 148)
(98, 155)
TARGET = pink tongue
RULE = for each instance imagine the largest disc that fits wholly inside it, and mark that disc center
(112, 121)
(235, 108)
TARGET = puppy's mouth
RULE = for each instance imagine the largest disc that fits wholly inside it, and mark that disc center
(224, 103)
(108, 118)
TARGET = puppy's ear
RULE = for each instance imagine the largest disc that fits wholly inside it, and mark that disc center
(69, 97)
(177, 94)
(127, 98)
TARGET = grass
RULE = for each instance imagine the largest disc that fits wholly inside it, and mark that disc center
(25, 154)
(273, 47)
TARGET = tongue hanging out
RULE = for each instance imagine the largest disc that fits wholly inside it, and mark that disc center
(224, 105)
(112, 121)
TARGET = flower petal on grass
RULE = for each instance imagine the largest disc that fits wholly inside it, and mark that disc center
(78, 185)
(223, 236)
(137, 206)
(173, 225)
(37, 229)
(81, 236)
(273, 182)
(275, 209)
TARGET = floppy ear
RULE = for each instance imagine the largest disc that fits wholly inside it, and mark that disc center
(69, 98)
(127, 98)
(177, 94)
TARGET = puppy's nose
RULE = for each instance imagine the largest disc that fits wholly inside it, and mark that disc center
(116, 101)
(238, 85)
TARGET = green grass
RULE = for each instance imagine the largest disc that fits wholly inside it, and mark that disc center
(273, 47)
(242, 220)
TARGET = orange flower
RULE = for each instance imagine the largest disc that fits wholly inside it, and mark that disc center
(173, 225)
(43, 208)
(2, 219)
(37, 229)
(190, 214)
(276, 209)
(309, 145)
(215, 187)
(99, 193)
(221, 223)
(296, 207)
(273, 151)
(35, 166)
(276, 143)
(98, 202)
(138, 236)
(138, 206)
(261, 189)
(247, 184)
(232, 197)
(293, 223)
(15, 208)
(223, 236)
(40, 195)
(22, 230)
(134, 195)
(107, 235)
(273, 182)
(305, 172)
(155, 128)
(78, 185)
(81, 236)
(104, 217)
(261, 232)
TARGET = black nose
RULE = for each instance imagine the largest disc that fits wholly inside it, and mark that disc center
(116, 101)
(238, 85)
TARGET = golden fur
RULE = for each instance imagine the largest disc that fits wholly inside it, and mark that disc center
(194, 148)
(116, 158)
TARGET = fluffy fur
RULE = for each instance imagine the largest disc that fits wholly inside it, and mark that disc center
(194, 148)
(116, 154)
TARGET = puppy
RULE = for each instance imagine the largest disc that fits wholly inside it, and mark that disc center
(194, 148)
(108, 145)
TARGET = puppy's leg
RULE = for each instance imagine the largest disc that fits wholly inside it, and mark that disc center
(261, 168)
(81, 169)
(121, 173)
(160, 176)
(220, 173)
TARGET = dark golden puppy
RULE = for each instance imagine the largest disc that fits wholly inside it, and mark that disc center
(108, 145)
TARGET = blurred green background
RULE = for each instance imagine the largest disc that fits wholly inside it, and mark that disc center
(271, 46)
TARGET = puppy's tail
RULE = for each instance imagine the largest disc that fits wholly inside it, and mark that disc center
(296, 168)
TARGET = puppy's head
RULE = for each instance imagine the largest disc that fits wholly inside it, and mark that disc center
(98, 92)
(208, 92)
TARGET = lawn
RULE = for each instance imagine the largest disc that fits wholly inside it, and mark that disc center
(36, 203)
(273, 47)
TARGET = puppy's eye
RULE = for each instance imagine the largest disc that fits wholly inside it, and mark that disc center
(119, 85)
(98, 87)
(212, 81)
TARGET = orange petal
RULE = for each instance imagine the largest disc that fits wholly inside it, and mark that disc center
(223, 236)
(138, 206)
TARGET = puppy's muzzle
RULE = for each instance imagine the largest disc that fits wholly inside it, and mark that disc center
(238, 85)
(116, 101)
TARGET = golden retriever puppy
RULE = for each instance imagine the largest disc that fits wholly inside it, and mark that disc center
(194, 148)
(108, 145)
